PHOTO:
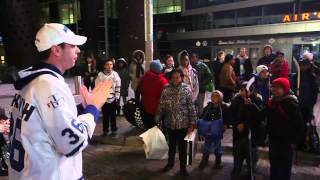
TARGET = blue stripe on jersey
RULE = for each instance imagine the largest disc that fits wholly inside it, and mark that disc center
(81, 178)
(73, 152)
(87, 132)
(92, 110)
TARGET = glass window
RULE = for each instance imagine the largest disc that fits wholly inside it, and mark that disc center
(166, 6)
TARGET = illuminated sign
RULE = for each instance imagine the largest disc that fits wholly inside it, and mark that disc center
(302, 17)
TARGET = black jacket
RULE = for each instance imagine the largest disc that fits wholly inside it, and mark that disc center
(308, 88)
(284, 120)
(248, 70)
(248, 114)
(212, 113)
(266, 60)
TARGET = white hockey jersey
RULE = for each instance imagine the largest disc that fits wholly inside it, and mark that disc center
(47, 135)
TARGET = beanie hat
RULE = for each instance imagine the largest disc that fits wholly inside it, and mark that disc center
(218, 92)
(156, 66)
(267, 46)
(308, 56)
(284, 83)
(260, 68)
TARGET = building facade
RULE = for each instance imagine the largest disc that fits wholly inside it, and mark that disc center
(291, 26)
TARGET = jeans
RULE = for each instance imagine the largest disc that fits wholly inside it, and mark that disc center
(217, 147)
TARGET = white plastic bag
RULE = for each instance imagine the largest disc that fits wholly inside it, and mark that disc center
(155, 144)
(191, 146)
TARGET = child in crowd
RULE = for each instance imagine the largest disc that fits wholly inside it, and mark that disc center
(112, 102)
(211, 127)
(285, 129)
(245, 113)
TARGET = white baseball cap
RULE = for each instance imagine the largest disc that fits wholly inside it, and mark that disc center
(53, 34)
(260, 68)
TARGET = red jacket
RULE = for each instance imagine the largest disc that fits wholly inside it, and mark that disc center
(151, 86)
(280, 69)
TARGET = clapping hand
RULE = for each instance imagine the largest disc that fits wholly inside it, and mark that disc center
(98, 95)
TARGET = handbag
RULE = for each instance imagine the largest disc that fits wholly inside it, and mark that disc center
(210, 129)
(134, 113)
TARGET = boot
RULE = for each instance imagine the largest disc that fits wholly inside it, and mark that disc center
(218, 164)
(204, 162)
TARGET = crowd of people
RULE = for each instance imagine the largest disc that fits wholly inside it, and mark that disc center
(264, 105)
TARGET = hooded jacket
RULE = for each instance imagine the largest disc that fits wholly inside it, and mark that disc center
(190, 79)
(136, 69)
(47, 135)
(151, 86)
(124, 76)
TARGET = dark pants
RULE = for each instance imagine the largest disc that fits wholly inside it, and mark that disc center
(208, 142)
(177, 137)
(241, 152)
(280, 156)
(149, 120)
(109, 115)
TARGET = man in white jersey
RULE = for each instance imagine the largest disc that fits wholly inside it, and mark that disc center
(48, 131)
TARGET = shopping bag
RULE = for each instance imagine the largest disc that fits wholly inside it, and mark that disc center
(210, 129)
(191, 146)
(155, 144)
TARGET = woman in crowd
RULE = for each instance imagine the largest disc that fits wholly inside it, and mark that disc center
(228, 82)
(180, 117)
(121, 67)
(190, 75)
(136, 70)
(279, 66)
(169, 66)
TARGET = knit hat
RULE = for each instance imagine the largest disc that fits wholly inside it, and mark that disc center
(267, 46)
(218, 92)
(284, 83)
(308, 56)
(156, 66)
(260, 68)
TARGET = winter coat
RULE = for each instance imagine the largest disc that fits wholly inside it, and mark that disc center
(309, 88)
(116, 84)
(136, 70)
(204, 76)
(150, 87)
(212, 113)
(191, 79)
(266, 60)
(284, 120)
(262, 87)
(125, 81)
(227, 77)
(248, 114)
(279, 69)
(248, 70)
(177, 108)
